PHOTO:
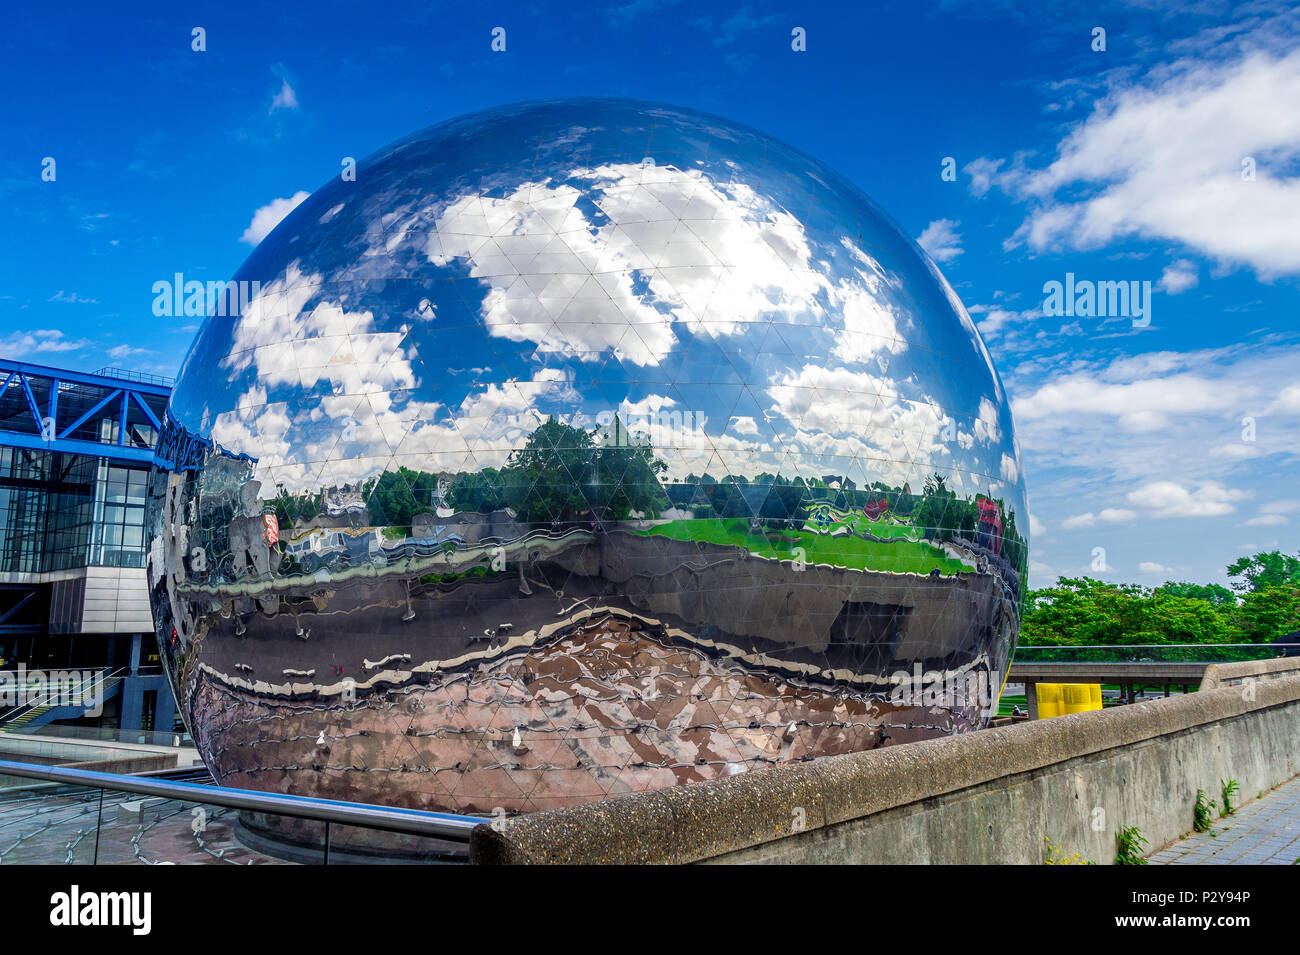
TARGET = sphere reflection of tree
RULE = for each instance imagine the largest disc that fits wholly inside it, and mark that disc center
(562, 474)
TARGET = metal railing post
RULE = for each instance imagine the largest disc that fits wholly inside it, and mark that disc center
(99, 824)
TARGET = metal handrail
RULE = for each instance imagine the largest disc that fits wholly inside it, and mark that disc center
(104, 677)
(101, 734)
(1154, 652)
(143, 377)
(409, 821)
(1148, 646)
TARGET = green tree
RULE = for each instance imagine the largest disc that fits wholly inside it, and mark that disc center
(783, 501)
(1215, 594)
(627, 480)
(562, 474)
(941, 514)
(291, 508)
(1084, 611)
(727, 500)
(1080, 611)
(476, 491)
(1264, 570)
(544, 481)
(1265, 614)
(397, 496)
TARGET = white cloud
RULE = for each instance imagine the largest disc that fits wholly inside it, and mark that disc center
(1036, 527)
(119, 352)
(1170, 499)
(994, 318)
(285, 99)
(941, 240)
(1150, 567)
(555, 384)
(852, 417)
(986, 425)
(1107, 515)
(682, 439)
(984, 174)
(1165, 161)
(1265, 520)
(269, 216)
(1178, 277)
(713, 256)
(286, 347)
(38, 341)
(648, 406)
(1159, 413)
(1237, 451)
(870, 323)
(1075, 419)
(848, 414)
(347, 437)
(1135, 404)
(71, 298)
(1287, 402)
(836, 400)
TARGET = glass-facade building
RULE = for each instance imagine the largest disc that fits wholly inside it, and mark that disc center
(60, 511)
(75, 453)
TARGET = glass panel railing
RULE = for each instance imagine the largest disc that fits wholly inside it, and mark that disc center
(39, 828)
(106, 734)
(53, 815)
(1155, 653)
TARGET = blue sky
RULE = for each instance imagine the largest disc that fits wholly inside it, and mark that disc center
(1171, 446)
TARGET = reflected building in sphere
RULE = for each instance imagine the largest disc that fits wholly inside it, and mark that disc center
(578, 448)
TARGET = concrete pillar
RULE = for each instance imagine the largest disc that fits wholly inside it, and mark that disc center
(130, 700)
(165, 711)
(1031, 696)
(135, 652)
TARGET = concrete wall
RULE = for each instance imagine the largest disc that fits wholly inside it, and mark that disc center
(986, 797)
(66, 751)
(1235, 674)
(79, 754)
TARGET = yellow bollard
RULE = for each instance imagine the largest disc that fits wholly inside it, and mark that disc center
(1075, 698)
(1049, 700)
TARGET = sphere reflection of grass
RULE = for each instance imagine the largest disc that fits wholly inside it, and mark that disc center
(913, 557)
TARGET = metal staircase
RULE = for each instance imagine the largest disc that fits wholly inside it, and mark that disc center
(54, 703)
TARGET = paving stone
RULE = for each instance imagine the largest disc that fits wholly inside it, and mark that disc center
(1264, 832)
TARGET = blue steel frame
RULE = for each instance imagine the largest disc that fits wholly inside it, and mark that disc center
(121, 390)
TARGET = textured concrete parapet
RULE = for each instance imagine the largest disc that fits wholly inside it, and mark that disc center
(990, 796)
(1234, 674)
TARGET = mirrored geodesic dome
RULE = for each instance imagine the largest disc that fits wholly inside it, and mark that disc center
(576, 448)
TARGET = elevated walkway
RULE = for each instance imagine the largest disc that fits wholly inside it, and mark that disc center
(1133, 675)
